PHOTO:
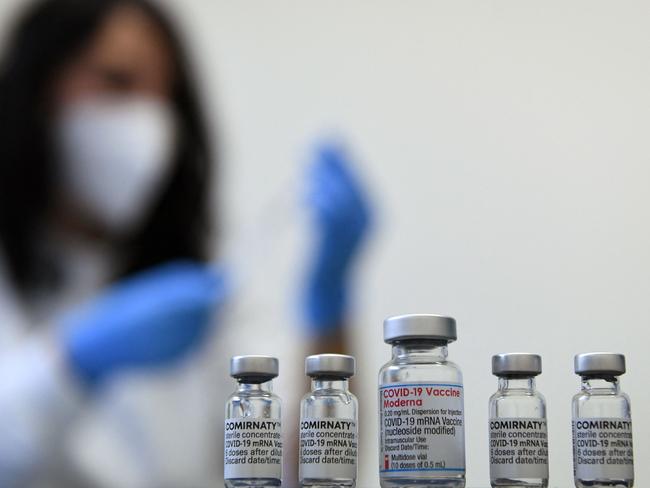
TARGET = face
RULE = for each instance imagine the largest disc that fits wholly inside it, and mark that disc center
(127, 56)
(127, 61)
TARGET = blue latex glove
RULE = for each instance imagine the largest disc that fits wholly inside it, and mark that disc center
(146, 321)
(341, 215)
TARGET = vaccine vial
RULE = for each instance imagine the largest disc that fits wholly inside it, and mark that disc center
(602, 423)
(517, 424)
(253, 433)
(421, 415)
(328, 424)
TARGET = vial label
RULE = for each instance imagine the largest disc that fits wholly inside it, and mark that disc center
(518, 448)
(421, 428)
(253, 448)
(602, 449)
(328, 448)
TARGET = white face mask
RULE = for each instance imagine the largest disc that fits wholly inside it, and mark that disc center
(115, 157)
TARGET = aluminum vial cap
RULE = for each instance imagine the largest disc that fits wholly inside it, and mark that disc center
(419, 326)
(254, 369)
(599, 363)
(516, 364)
(331, 365)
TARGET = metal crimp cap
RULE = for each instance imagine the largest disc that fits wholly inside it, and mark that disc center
(599, 363)
(258, 369)
(334, 365)
(516, 364)
(419, 326)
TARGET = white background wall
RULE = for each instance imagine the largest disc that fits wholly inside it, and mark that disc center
(506, 143)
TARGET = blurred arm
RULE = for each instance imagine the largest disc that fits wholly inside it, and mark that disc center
(335, 341)
(148, 321)
(37, 396)
(37, 402)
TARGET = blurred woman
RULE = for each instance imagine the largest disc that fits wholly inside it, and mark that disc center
(105, 224)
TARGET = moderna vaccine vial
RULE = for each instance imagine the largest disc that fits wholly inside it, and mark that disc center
(328, 424)
(517, 425)
(602, 423)
(421, 414)
(253, 429)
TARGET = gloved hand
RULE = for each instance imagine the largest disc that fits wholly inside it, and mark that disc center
(341, 216)
(149, 320)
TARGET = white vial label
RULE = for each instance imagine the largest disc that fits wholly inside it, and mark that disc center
(602, 449)
(253, 448)
(518, 448)
(421, 429)
(328, 448)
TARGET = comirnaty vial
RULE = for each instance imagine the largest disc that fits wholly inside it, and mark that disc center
(253, 433)
(517, 424)
(328, 424)
(421, 429)
(602, 424)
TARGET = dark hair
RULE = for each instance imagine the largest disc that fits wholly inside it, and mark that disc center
(48, 36)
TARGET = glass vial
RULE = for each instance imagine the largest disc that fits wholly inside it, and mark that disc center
(517, 425)
(421, 415)
(328, 424)
(602, 423)
(253, 433)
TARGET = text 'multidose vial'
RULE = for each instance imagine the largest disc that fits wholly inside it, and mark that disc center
(421, 415)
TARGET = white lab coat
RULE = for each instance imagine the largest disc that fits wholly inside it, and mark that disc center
(153, 430)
